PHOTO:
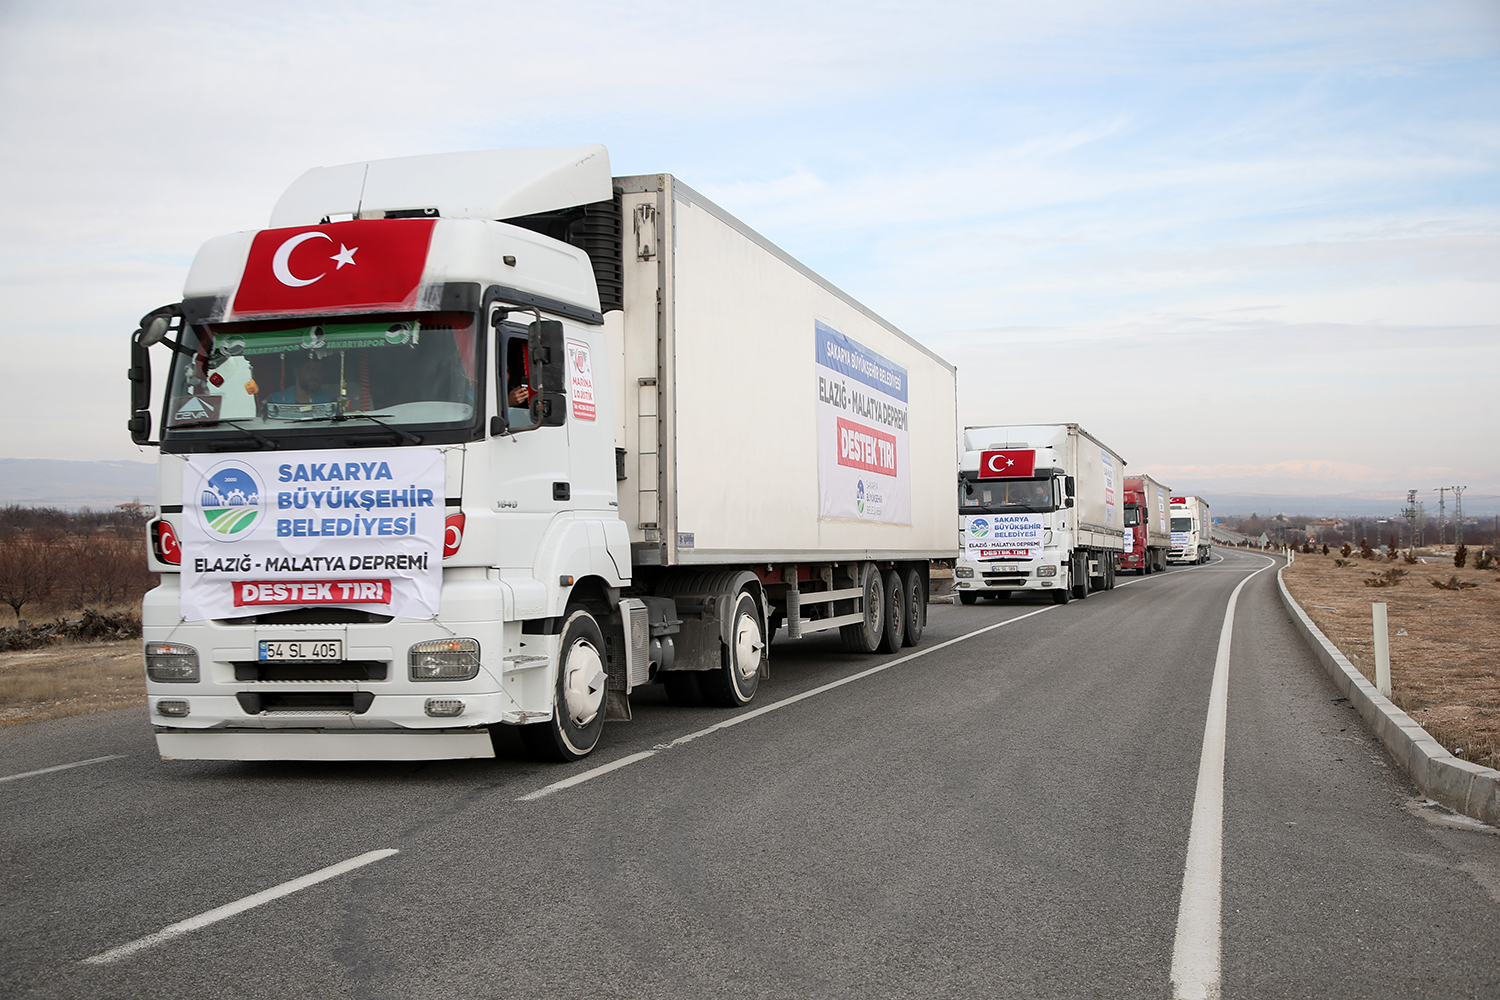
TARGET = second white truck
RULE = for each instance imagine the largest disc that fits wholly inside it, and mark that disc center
(1040, 511)
(1191, 527)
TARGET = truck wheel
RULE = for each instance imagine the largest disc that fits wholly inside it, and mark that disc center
(894, 633)
(864, 637)
(1078, 576)
(734, 683)
(1109, 574)
(916, 606)
(1061, 596)
(578, 696)
(967, 597)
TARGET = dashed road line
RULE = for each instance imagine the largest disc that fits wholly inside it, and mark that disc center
(238, 906)
(60, 767)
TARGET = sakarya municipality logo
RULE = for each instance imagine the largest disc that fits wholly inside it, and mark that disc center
(979, 527)
(230, 501)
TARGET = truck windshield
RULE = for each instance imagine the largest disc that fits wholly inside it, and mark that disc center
(1035, 495)
(1132, 515)
(274, 378)
(1182, 524)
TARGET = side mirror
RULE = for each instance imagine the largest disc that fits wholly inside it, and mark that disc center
(139, 374)
(549, 399)
(1068, 502)
(1068, 487)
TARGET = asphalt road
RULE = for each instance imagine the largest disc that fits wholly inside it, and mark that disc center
(1007, 815)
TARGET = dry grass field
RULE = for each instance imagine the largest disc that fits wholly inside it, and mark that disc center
(70, 679)
(1445, 644)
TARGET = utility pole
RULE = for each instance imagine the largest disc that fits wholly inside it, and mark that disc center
(1458, 514)
(1441, 491)
(1410, 513)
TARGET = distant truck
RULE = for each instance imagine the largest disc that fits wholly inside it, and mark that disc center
(1191, 525)
(1040, 511)
(492, 439)
(1148, 529)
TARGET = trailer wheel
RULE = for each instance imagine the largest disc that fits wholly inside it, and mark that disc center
(967, 597)
(864, 637)
(916, 605)
(1109, 573)
(734, 683)
(894, 598)
(578, 696)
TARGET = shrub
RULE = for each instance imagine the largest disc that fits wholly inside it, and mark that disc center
(1454, 583)
(1410, 557)
(1325, 548)
(1365, 552)
(1345, 549)
(1485, 559)
(1389, 578)
(1460, 556)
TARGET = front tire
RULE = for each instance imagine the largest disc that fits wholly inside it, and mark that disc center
(1078, 576)
(967, 597)
(578, 696)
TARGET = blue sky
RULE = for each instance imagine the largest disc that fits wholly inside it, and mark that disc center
(1255, 247)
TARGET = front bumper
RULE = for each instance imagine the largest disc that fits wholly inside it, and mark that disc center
(312, 744)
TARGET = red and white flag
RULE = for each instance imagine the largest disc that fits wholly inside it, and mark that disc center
(1007, 464)
(344, 265)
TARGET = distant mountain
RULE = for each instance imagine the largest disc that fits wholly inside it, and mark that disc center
(52, 482)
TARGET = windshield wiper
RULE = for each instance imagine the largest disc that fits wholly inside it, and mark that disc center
(341, 417)
(259, 439)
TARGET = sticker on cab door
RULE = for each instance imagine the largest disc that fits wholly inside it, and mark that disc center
(580, 381)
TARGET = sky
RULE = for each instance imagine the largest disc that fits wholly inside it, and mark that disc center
(1253, 247)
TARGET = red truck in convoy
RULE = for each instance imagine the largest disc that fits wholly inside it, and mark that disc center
(1148, 532)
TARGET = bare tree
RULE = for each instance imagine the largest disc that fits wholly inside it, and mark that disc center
(27, 572)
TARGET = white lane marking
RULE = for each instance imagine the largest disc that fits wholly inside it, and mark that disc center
(579, 779)
(1195, 954)
(60, 767)
(239, 906)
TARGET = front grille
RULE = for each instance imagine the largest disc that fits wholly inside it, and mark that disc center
(305, 702)
(341, 670)
(312, 616)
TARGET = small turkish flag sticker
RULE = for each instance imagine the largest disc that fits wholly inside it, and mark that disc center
(1007, 464)
(361, 264)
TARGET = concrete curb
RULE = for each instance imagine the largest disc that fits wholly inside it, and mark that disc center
(1458, 784)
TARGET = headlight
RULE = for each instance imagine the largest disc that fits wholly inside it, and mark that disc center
(1046, 571)
(444, 660)
(171, 663)
(964, 572)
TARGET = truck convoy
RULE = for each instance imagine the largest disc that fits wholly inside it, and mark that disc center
(1190, 531)
(1148, 533)
(1039, 510)
(491, 439)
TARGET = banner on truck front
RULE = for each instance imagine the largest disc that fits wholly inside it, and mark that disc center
(863, 454)
(281, 530)
(1003, 536)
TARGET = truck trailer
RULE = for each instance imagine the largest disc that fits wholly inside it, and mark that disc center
(492, 439)
(1148, 530)
(1039, 512)
(1191, 525)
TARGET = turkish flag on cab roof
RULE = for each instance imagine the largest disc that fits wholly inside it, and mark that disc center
(1013, 464)
(363, 263)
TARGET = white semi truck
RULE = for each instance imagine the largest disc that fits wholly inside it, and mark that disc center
(487, 439)
(1040, 510)
(1191, 528)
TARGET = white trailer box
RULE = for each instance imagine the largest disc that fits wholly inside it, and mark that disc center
(1041, 509)
(619, 438)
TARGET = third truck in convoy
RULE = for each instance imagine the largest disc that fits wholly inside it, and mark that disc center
(491, 439)
(1191, 528)
(1040, 511)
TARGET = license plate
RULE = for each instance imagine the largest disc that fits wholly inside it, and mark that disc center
(298, 649)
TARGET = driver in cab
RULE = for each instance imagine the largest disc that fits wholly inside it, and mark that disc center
(307, 385)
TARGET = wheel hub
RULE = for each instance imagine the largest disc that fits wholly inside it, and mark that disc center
(584, 682)
(748, 643)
